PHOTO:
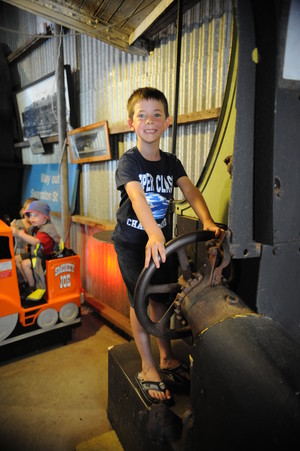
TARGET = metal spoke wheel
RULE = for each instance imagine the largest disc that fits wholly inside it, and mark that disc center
(144, 288)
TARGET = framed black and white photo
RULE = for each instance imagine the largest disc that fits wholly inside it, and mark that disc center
(37, 106)
(90, 143)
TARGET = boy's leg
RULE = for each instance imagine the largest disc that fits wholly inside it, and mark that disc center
(27, 270)
(131, 264)
(18, 260)
(149, 371)
(167, 358)
(157, 310)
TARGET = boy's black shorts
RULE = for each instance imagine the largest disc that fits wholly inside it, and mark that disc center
(131, 262)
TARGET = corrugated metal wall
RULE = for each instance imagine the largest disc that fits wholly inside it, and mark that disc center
(104, 77)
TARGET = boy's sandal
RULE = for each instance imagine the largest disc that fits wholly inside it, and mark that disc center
(146, 386)
(36, 295)
(177, 376)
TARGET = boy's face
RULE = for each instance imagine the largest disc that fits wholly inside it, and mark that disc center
(37, 219)
(23, 209)
(149, 120)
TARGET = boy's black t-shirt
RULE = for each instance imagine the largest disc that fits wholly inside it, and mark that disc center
(158, 178)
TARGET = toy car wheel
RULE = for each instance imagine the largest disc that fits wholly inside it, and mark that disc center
(68, 312)
(7, 325)
(48, 318)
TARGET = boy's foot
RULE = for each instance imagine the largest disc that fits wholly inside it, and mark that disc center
(178, 376)
(23, 286)
(147, 386)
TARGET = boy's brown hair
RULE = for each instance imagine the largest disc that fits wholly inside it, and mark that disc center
(146, 94)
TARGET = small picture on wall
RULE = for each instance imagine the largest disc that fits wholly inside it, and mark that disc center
(90, 143)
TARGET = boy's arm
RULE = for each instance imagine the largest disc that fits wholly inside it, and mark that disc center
(198, 204)
(24, 236)
(155, 245)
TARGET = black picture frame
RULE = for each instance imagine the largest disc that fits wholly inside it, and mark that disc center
(36, 106)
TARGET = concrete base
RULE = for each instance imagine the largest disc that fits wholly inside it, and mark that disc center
(55, 397)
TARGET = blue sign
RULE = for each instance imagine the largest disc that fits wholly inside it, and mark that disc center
(43, 182)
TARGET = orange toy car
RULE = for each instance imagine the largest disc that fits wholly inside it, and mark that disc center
(59, 307)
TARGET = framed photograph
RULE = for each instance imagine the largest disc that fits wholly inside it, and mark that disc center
(37, 106)
(90, 143)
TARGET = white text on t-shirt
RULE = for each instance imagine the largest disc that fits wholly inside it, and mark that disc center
(161, 184)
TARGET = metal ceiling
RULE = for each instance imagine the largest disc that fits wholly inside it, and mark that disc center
(126, 24)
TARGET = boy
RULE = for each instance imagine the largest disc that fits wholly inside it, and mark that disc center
(44, 233)
(146, 177)
(22, 224)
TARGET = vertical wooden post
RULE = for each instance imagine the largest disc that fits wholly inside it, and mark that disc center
(177, 80)
(175, 115)
(62, 134)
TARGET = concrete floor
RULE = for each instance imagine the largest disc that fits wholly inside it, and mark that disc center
(56, 398)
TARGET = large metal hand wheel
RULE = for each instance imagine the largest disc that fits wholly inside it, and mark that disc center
(144, 287)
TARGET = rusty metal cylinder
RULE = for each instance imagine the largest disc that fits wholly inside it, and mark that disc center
(205, 307)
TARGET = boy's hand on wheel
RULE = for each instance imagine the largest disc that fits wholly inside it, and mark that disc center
(155, 248)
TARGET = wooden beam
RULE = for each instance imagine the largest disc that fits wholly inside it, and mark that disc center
(48, 140)
(93, 222)
(158, 10)
(189, 118)
(198, 116)
(81, 23)
(35, 40)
